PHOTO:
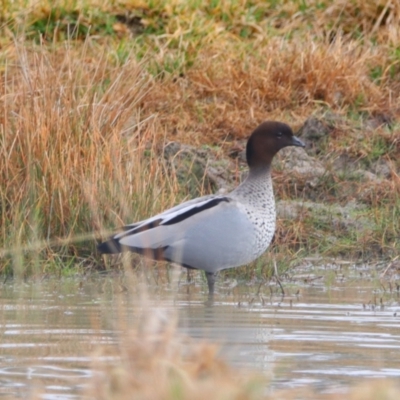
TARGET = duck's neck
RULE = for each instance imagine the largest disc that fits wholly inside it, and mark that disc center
(257, 185)
(262, 172)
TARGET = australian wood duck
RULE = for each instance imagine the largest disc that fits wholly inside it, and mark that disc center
(215, 232)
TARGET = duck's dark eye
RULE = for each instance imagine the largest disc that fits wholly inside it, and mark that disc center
(279, 135)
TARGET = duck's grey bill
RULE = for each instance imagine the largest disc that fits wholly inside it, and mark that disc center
(297, 142)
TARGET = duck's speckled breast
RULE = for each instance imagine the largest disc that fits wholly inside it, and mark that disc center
(256, 195)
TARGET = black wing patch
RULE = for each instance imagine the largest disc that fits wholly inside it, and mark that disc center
(110, 246)
(195, 210)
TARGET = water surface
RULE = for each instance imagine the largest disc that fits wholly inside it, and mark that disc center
(329, 331)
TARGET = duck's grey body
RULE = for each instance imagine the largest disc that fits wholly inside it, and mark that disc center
(213, 233)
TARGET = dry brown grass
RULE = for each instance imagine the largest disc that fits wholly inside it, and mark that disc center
(82, 121)
(284, 80)
(73, 145)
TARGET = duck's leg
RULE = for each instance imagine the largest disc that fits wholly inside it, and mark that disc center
(211, 278)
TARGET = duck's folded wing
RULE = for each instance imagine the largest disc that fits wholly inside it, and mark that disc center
(168, 217)
(212, 235)
(193, 202)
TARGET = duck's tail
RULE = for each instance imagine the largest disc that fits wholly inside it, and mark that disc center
(110, 246)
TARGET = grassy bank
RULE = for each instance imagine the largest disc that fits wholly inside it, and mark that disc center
(91, 92)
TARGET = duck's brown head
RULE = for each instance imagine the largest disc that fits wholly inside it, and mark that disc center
(266, 140)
